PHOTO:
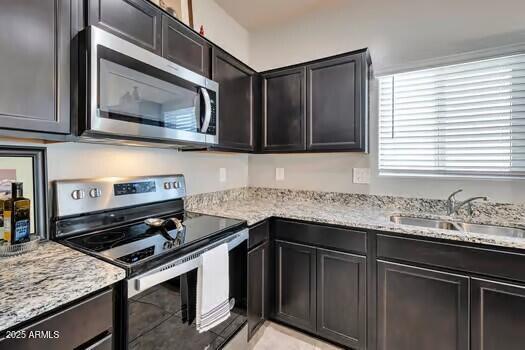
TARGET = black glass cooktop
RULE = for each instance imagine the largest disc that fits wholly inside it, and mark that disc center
(138, 242)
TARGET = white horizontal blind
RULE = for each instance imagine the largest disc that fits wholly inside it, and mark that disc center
(466, 119)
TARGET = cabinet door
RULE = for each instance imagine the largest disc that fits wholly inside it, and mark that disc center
(236, 101)
(421, 309)
(341, 298)
(337, 104)
(284, 94)
(498, 315)
(70, 328)
(258, 260)
(137, 21)
(185, 47)
(295, 285)
(34, 65)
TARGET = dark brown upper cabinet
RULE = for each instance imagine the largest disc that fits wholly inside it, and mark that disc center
(337, 104)
(185, 47)
(284, 110)
(421, 308)
(237, 101)
(317, 106)
(498, 315)
(137, 21)
(34, 65)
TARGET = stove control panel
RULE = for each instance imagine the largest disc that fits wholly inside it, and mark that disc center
(75, 197)
(134, 187)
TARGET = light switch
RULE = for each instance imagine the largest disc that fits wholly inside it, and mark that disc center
(361, 175)
(222, 174)
(279, 174)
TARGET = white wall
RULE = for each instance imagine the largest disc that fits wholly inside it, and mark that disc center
(221, 28)
(397, 33)
(84, 160)
(201, 169)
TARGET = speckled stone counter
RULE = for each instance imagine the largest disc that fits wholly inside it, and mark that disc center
(356, 210)
(47, 278)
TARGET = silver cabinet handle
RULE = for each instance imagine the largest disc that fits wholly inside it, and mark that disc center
(207, 110)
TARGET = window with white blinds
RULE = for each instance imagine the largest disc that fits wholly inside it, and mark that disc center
(466, 119)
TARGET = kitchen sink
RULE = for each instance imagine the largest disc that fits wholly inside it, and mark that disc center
(492, 230)
(406, 220)
(459, 226)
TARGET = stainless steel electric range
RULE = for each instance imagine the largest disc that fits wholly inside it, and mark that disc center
(140, 225)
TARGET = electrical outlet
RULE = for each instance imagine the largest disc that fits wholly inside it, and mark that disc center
(222, 174)
(361, 175)
(279, 174)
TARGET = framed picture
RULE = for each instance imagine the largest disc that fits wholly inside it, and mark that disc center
(180, 9)
(26, 165)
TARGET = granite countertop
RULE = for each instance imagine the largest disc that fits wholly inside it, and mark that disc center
(359, 211)
(50, 276)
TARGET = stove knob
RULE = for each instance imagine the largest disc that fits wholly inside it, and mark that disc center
(167, 185)
(176, 184)
(78, 194)
(95, 193)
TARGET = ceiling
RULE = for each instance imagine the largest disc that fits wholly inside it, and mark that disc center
(254, 14)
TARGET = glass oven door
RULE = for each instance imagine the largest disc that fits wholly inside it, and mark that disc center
(163, 316)
(137, 93)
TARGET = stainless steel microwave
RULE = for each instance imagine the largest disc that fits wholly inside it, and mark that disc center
(128, 93)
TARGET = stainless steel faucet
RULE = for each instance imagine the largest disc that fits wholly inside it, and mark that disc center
(453, 206)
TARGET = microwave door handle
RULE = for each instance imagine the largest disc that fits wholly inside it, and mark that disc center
(207, 110)
(197, 112)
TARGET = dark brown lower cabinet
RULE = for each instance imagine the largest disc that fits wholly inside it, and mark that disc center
(258, 282)
(498, 315)
(321, 291)
(86, 325)
(421, 309)
(341, 298)
(295, 292)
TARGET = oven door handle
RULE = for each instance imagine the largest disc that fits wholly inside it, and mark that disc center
(207, 110)
(181, 265)
(148, 281)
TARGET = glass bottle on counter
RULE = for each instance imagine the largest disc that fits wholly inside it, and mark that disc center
(17, 215)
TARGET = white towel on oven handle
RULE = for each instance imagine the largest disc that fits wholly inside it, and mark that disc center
(213, 288)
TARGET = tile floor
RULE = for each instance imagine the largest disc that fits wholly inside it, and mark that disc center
(272, 336)
(155, 323)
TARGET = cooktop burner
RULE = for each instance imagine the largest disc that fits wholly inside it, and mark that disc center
(137, 242)
(98, 242)
(104, 240)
